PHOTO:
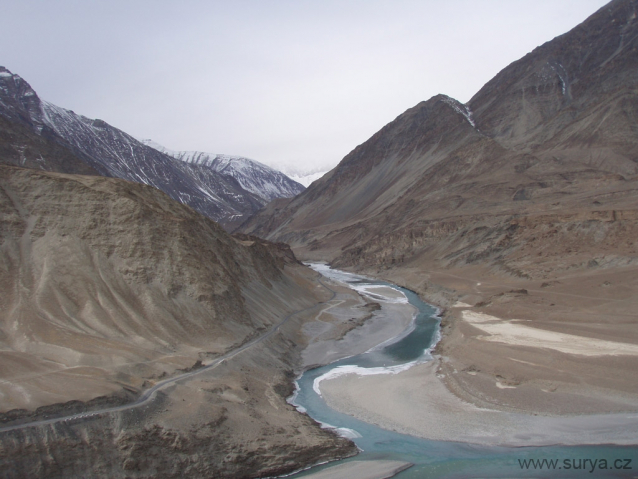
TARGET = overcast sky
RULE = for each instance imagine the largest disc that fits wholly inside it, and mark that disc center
(291, 83)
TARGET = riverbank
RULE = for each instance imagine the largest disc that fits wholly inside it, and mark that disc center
(230, 420)
(362, 470)
(405, 392)
(387, 322)
(553, 346)
(417, 402)
(521, 363)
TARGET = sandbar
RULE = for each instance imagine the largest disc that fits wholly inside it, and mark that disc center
(515, 333)
(395, 315)
(362, 470)
(416, 402)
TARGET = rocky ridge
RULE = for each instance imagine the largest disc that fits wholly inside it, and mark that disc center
(91, 146)
(259, 179)
(551, 136)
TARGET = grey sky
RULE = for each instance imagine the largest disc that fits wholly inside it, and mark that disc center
(290, 83)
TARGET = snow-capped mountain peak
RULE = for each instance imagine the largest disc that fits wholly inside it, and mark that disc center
(308, 178)
(225, 188)
(253, 176)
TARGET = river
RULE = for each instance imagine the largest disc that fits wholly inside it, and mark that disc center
(439, 459)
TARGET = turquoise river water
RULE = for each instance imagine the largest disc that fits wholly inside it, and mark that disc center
(438, 459)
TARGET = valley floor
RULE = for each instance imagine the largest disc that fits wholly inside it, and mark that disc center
(416, 402)
(567, 345)
(521, 362)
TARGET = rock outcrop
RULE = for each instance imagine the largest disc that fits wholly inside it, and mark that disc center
(552, 136)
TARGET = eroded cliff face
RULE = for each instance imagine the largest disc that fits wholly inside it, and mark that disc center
(533, 247)
(110, 286)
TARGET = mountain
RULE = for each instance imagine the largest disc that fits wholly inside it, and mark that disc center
(110, 287)
(119, 265)
(88, 146)
(551, 133)
(306, 179)
(261, 180)
(28, 144)
(521, 204)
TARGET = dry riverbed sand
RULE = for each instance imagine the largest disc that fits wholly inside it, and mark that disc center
(521, 362)
(327, 341)
(362, 470)
(416, 402)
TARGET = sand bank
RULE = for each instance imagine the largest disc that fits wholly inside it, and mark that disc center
(515, 333)
(362, 470)
(416, 402)
(391, 320)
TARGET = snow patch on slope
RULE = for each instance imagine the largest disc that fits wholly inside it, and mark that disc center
(307, 179)
(261, 180)
(462, 109)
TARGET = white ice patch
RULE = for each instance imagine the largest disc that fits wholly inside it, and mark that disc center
(347, 433)
(209, 194)
(341, 431)
(344, 277)
(462, 109)
(561, 72)
(366, 290)
(292, 400)
(359, 371)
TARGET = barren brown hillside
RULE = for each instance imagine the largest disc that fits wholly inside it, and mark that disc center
(110, 287)
(531, 186)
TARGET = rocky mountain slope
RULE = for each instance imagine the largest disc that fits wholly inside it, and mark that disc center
(102, 272)
(553, 133)
(530, 186)
(95, 147)
(259, 179)
(24, 143)
(109, 286)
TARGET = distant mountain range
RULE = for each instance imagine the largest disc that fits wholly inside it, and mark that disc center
(519, 207)
(259, 179)
(307, 179)
(38, 134)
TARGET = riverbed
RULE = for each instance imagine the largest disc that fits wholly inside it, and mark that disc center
(393, 384)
